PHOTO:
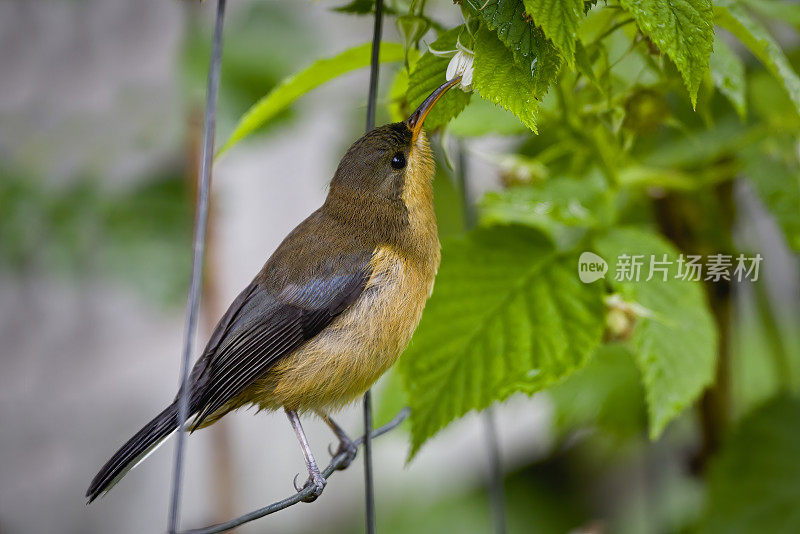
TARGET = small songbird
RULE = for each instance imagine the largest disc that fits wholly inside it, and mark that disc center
(330, 311)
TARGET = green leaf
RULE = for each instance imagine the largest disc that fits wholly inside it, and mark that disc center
(607, 393)
(507, 314)
(531, 50)
(559, 21)
(675, 344)
(703, 147)
(754, 484)
(562, 208)
(501, 81)
(683, 29)
(357, 7)
(778, 184)
(428, 74)
(727, 72)
(295, 86)
(755, 36)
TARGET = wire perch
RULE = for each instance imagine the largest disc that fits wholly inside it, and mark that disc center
(199, 244)
(336, 463)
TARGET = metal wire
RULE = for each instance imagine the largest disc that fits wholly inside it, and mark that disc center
(372, 96)
(369, 487)
(200, 228)
(497, 497)
(336, 463)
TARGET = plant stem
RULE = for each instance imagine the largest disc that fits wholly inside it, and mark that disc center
(679, 221)
(772, 331)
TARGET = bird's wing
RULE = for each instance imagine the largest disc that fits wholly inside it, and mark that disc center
(266, 323)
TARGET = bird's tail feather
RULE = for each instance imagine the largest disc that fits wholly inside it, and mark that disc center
(142, 444)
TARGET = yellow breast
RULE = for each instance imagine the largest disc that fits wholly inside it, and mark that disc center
(344, 360)
(349, 355)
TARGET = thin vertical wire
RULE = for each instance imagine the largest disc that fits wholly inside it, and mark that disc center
(369, 487)
(497, 498)
(200, 227)
(373, 67)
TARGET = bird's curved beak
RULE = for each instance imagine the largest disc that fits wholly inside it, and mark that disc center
(414, 122)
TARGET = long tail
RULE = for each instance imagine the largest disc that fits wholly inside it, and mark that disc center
(134, 451)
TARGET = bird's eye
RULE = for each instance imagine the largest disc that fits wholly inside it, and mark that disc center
(398, 161)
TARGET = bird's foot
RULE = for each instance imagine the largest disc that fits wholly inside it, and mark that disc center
(349, 448)
(315, 480)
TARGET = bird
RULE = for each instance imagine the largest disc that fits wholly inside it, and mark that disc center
(330, 311)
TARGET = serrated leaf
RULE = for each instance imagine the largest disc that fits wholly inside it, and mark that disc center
(428, 74)
(507, 314)
(675, 346)
(754, 484)
(531, 50)
(502, 82)
(295, 86)
(755, 36)
(778, 184)
(727, 72)
(607, 393)
(683, 29)
(559, 21)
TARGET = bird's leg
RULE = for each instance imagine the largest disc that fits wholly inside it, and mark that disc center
(315, 478)
(346, 444)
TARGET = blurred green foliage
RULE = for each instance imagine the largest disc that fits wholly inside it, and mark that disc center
(607, 393)
(83, 229)
(754, 484)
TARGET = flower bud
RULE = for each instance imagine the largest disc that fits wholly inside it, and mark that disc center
(461, 65)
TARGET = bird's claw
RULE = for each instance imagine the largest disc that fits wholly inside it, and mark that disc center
(348, 448)
(315, 480)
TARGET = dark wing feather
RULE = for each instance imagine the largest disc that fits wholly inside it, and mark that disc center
(265, 324)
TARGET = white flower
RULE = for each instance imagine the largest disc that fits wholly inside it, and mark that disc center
(461, 65)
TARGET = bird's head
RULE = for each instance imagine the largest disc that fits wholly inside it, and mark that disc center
(385, 172)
